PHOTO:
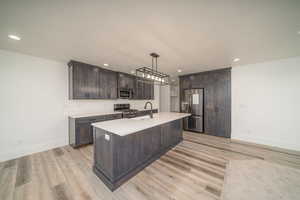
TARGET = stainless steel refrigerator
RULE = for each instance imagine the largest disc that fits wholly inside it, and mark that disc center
(193, 102)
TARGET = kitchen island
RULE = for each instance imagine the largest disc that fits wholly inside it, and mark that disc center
(123, 147)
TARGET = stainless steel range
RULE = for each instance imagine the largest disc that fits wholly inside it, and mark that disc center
(126, 111)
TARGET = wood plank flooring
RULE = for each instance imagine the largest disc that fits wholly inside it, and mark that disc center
(194, 169)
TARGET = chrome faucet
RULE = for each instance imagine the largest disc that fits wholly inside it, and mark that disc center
(151, 112)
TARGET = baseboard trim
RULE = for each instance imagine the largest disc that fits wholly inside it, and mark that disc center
(30, 149)
(267, 147)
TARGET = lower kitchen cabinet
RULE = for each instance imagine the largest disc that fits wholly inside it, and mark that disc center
(81, 130)
(84, 132)
(118, 158)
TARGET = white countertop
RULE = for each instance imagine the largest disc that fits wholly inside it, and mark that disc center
(125, 126)
(94, 114)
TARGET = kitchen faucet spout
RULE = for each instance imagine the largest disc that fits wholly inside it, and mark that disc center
(151, 111)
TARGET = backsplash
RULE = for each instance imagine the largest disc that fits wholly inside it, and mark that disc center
(74, 107)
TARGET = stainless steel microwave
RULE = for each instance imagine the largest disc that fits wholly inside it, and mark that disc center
(125, 93)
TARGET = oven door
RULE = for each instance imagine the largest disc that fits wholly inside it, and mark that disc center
(124, 93)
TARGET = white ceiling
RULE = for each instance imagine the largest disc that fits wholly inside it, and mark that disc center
(194, 35)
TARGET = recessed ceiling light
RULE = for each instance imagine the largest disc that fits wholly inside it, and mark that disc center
(236, 60)
(14, 37)
(179, 70)
(106, 65)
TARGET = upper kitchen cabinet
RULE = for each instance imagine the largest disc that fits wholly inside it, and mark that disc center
(91, 82)
(144, 89)
(108, 84)
(185, 82)
(127, 83)
(149, 90)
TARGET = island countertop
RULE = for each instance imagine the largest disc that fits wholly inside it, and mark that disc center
(126, 126)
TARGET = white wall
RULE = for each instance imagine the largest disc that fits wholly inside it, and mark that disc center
(266, 103)
(165, 98)
(34, 105)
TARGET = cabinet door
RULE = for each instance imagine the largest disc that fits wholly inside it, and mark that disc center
(217, 114)
(107, 84)
(151, 142)
(185, 82)
(222, 105)
(134, 149)
(171, 133)
(144, 89)
(176, 129)
(112, 85)
(126, 81)
(139, 89)
(166, 136)
(148, 90)
(85, 81)
(84, 133)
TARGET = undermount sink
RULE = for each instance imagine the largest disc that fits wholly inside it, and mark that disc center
(142, 117)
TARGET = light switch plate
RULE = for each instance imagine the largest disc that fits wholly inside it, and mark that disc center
(107, 137)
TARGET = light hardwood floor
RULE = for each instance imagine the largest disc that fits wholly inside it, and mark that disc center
(194, 169)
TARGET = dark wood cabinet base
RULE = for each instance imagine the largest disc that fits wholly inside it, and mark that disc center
(114, 185)
(81, 130)
(118, 158)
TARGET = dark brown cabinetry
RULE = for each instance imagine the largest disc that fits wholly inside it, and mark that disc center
(118, 158)
(81, 131)
(148, 90)
(84, 132)
(91, 82)
(140, 88)
(217, 99)
(171, 133)
(144, 89)
(126, 81)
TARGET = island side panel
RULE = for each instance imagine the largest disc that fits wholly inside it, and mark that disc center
(132, 150)
(103, 154)
(124, 156)
(171, 133)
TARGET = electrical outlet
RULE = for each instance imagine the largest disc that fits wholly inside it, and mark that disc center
(107, 137)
